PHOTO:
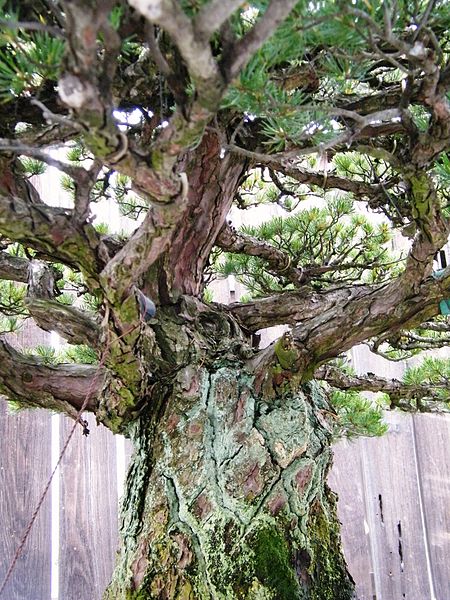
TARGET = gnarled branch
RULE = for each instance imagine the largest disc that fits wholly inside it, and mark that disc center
(26, 219)
(333, 321)
(75, 325)
(326, 181)
(410, 397)
(279, 262)
(287, 308)
(27, 381)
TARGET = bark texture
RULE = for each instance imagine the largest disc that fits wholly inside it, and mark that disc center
(226, 496)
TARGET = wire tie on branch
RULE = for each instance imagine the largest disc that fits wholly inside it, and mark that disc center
(117, 156)
(284, 269)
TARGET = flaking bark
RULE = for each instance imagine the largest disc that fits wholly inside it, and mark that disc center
(226, 495)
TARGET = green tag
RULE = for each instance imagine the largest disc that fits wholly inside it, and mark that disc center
(444, 306)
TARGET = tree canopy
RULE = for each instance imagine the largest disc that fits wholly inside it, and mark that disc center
(178, 110)
(181, 111)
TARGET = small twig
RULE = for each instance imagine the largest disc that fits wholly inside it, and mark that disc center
(77, 173)
(343, 138)
(51, 117)
(424, 20)
(155, 50)
(53, 8)
(32, 26)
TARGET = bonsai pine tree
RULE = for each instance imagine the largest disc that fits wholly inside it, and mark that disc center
(178, 111)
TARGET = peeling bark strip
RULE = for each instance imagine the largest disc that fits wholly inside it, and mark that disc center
(231, 489)
(213, 184)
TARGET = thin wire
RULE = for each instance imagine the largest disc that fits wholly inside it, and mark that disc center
(66, 444)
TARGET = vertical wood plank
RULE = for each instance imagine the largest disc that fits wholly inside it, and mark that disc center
(88, 524)
(432, 436)
(25, 440)
(395, 518)
(346, 479)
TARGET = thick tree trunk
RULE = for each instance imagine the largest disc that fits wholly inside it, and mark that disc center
(226, 496)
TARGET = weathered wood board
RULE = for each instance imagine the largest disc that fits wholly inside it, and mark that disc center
(346, 478)
(432, 438)
(25, 439)
(394, 511)
(88, 513)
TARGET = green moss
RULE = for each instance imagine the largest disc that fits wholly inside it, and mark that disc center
(330, 580)
(184, 593)
(139, 595)
(157, 160)
(98, 144)
(126, 367)
(272, 564)
(129, 310)
(422, 197)
(228, 569)
(114, 423)
(127, 396)
(286, 351)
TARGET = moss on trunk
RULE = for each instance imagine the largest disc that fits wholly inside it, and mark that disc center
(226, 497)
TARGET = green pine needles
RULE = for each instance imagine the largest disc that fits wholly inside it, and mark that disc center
(358, 415)
(27, 59)
(332, 244)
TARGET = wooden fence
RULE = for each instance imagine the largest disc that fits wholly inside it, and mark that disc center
(394, 503)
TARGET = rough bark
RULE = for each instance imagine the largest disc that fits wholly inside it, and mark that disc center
(76, 325)
(25, 218)
(408, 397)
(13, 268)
(226, 495)
(278, 262)
(30, 383)
(214, 181)
(307, 304)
